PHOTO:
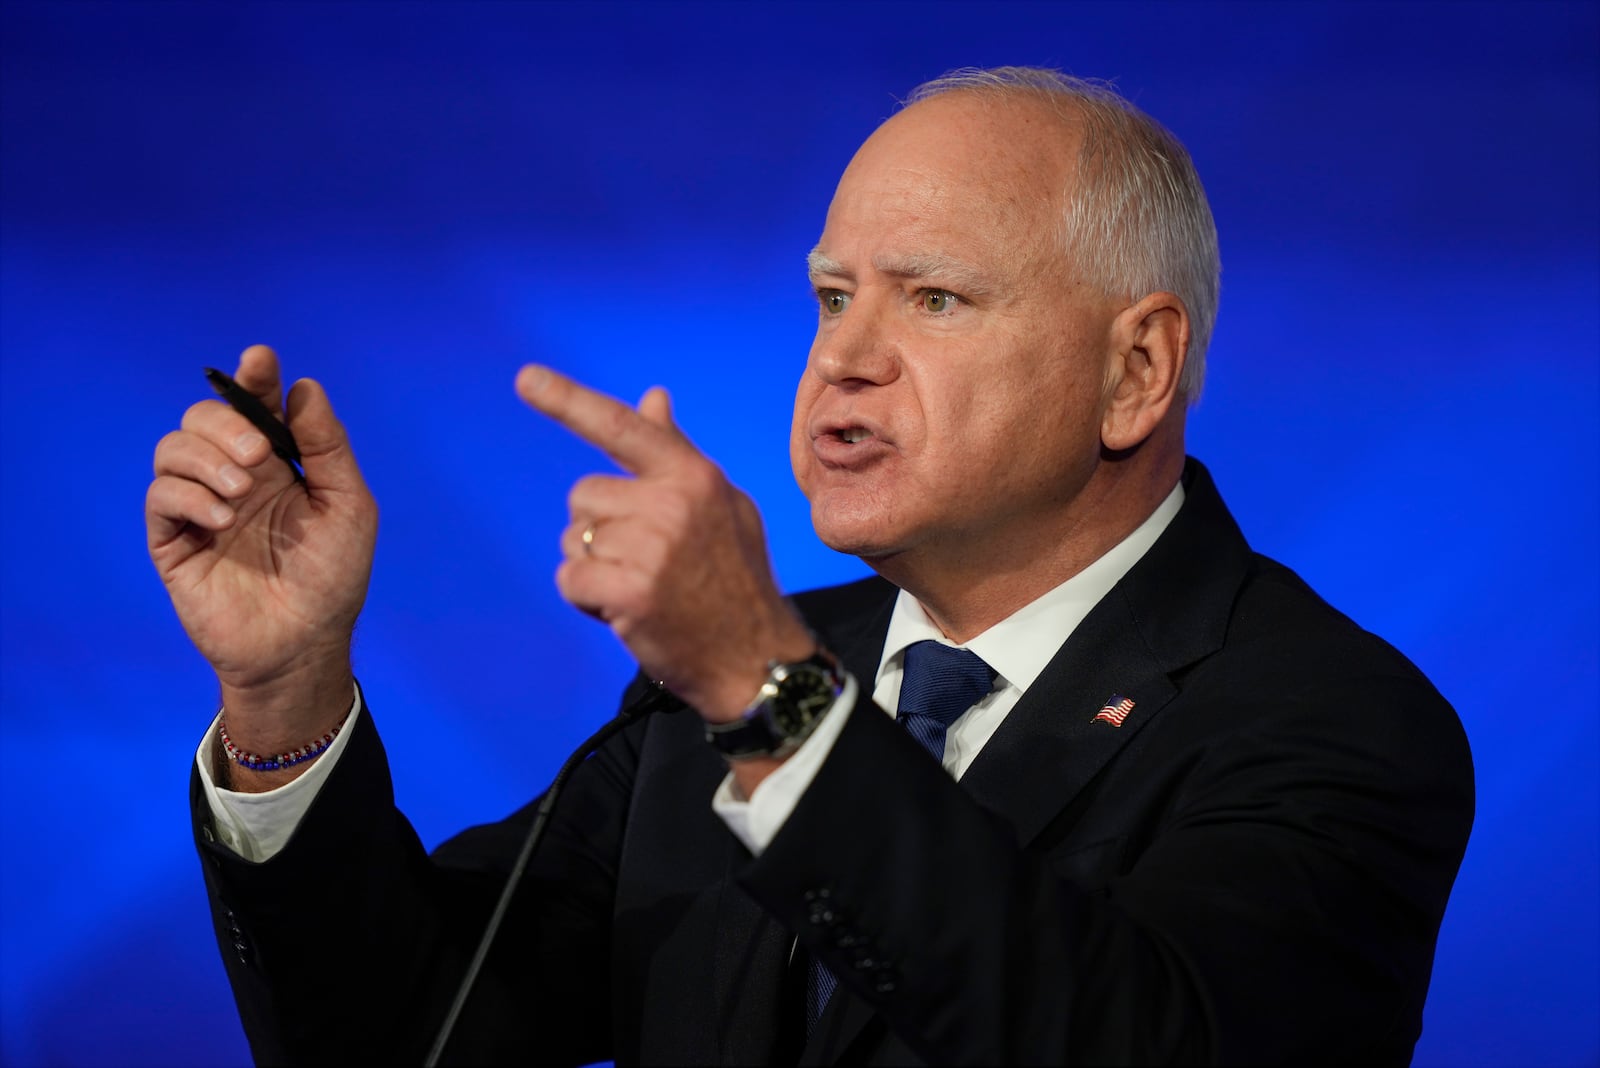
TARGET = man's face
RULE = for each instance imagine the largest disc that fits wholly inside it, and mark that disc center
(953, 395)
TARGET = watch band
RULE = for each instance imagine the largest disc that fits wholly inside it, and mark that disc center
(787, 708)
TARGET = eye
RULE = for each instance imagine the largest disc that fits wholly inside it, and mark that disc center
(833, 301)
(938, 301)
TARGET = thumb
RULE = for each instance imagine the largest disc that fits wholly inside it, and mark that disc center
(656, 406)
(324, 446)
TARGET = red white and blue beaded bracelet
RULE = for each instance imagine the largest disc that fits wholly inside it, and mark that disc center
(254, 762)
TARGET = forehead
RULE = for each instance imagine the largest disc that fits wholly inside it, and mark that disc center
(987, 174)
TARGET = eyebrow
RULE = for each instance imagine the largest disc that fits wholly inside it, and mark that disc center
(819, 263)
(943, 270)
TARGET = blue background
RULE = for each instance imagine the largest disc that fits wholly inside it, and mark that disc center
(409, 201)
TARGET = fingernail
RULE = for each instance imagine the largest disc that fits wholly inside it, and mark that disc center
(220, 514)
(536, 377)
(248, 442)
(231, 477)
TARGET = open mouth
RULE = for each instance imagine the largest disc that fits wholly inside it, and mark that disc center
(845, 444)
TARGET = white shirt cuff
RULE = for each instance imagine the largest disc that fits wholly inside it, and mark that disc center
(258, 826)
(756, 822)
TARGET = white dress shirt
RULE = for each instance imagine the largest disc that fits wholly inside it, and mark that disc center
(1018, 647)
(257, 826)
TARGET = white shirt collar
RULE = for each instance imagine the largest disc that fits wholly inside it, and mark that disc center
(1019, 646)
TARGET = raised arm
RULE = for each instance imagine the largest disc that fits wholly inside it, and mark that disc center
(266, 574)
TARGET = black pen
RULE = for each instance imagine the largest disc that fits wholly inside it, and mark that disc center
(246, 404)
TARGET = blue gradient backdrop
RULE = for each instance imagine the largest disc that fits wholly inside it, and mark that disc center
(410, 200)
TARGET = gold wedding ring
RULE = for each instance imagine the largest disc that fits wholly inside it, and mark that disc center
(588, 539)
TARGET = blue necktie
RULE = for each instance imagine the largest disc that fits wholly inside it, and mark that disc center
(938, 685)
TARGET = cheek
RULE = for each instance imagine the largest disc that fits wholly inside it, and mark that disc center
(976, 401)
(805, 398)
(1026, 407)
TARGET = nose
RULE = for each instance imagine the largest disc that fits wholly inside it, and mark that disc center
(858, 347)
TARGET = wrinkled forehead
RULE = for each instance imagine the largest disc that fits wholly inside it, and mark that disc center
(967, 163)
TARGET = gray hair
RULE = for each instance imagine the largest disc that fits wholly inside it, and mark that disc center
(1137, 220)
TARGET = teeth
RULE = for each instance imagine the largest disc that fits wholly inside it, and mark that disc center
(853, 435)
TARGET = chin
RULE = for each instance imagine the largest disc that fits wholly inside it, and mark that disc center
(865, 535)
(869, 552)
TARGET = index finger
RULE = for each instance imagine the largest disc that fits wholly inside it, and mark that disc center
(638, 445)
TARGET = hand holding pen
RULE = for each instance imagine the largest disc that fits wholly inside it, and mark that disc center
(266, 567)
(249, 405)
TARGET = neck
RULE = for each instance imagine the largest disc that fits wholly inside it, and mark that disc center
(967, 586)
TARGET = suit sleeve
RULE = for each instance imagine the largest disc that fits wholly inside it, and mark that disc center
(1278, 904)
(347, 946)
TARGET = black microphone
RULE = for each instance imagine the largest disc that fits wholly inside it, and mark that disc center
(656, 698)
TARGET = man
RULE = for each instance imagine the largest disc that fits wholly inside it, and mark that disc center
(1200, 816)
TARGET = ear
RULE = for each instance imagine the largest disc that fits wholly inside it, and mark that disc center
(1149, 342)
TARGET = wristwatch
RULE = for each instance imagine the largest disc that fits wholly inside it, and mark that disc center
(786, 709)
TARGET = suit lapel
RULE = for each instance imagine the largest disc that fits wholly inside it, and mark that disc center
(1054, 725)
(1170, 610)
(1057, 739)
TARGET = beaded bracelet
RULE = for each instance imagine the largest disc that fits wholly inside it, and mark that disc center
(253, 762)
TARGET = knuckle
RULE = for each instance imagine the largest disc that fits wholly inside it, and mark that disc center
(168, 449)
(174, 497)
(564, 579)
(651, 560)
(200, 414)
(618, 421)
(162, 489)
(634, 603)
(675, 510)
(702, 477)
(583, 491)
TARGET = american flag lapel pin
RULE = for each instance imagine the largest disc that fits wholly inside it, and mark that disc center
(1114, 711)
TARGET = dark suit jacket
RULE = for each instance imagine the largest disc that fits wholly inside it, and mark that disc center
(1251, 868)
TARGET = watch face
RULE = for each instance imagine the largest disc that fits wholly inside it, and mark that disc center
(793, 699)
(803, 695)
